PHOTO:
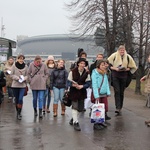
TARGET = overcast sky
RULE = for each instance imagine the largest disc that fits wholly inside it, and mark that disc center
(34, 17)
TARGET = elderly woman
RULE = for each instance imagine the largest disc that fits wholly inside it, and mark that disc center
(120, 64)
(38, 74)
(19, 77)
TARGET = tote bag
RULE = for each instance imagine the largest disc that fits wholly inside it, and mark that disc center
(98, 113)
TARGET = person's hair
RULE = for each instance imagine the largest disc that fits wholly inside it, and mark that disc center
(61, 60)
(106, 61)
(10, 57)
(100, 54)
(121, 47)
(83, 53)
(20, 55)
(98, 63)
(37, 58)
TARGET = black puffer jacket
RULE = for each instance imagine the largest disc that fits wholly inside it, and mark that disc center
(58, 78)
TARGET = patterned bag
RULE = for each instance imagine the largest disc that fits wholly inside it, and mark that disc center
(98, 113)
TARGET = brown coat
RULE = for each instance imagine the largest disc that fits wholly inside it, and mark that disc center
(15, 73)
(76, 94)
(8, 77)
(37, 79)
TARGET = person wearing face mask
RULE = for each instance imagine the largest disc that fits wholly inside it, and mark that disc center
(58, 85)
(19, 77)
(38, 74)
(120, 63)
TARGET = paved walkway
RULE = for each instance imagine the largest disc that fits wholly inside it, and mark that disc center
(126, 132)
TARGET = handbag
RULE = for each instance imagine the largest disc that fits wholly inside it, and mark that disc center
(66, 100)
(129, 78)
(92, 95)
(26, 90)
(98, 113)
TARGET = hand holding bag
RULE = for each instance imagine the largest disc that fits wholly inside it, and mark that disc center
(66, 99)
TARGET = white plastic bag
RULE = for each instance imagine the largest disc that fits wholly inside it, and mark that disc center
(98, 113)
(87, 102)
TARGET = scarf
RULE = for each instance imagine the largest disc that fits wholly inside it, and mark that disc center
(37, 64)
(51, 65)
(125, 61)
(19, 66)
(101, 71)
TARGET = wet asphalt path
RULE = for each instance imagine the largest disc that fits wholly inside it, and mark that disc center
(125, 132)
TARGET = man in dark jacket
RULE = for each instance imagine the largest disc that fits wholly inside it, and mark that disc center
(93, 66)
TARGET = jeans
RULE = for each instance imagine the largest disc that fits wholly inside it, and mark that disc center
(119, 85)
(10, 92)
(19, 93)
(47, 96)
(58, 94)
(38, 95)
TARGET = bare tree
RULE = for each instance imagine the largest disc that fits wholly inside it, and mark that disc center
(124, 21)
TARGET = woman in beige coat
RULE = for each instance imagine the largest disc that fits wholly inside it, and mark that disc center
(147, 85)
(19, 76)
(7, 71)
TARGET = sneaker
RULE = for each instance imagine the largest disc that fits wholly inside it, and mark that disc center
(77, 126)
(71, 122)
(97, 126)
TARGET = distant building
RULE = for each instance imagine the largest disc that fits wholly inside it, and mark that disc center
(61, 46)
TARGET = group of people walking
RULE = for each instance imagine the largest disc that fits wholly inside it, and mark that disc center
(50, 77)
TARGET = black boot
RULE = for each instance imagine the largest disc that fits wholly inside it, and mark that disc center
(18, 114)
(40, 113)
(35, 112)
(107, 117)
(71, 121)
(77, 126)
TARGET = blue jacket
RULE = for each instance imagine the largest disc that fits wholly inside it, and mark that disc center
(96, 82)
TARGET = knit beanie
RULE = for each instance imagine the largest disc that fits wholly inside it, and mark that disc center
(50, 57)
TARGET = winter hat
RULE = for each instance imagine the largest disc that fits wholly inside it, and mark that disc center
(50, 57)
